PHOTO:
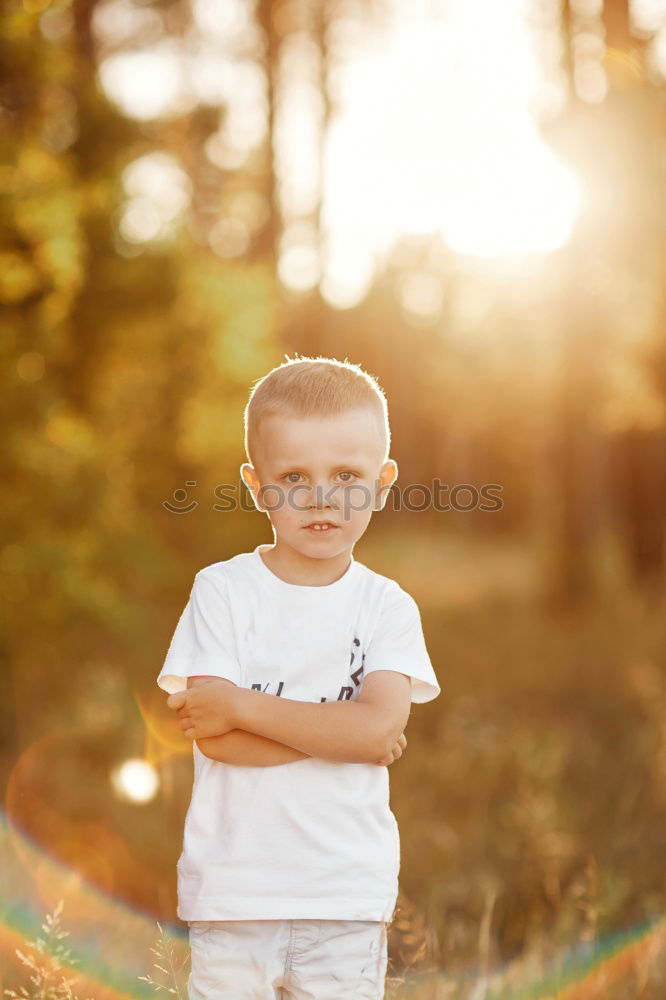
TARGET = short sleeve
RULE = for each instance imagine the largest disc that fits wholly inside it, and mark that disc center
(203, 642)
(398, 644)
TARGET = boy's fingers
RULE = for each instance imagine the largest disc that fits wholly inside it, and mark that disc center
(396, 750)
(177, 699)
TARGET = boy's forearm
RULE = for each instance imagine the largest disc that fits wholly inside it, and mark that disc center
(248, 749)
(347, 731)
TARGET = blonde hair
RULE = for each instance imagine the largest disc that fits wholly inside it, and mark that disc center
(313, 386)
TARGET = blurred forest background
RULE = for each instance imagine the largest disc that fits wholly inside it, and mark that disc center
(467, 198)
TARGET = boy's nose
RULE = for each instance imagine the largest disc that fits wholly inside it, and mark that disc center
(321, 495)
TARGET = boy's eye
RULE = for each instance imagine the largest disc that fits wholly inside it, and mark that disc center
(351, 475)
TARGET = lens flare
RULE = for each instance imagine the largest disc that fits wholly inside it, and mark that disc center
(135, 780)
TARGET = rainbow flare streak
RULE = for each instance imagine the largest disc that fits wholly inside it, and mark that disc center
(111, 942)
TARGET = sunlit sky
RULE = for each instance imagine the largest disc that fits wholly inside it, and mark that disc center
(433, 128)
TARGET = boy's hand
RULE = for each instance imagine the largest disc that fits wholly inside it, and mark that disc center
(206, 710)
(396, 751)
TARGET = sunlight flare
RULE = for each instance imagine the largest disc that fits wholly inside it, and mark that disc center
(135, 780)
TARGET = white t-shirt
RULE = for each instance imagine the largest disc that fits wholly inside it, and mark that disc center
(311, 838)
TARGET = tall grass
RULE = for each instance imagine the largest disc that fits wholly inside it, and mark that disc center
(529, 977)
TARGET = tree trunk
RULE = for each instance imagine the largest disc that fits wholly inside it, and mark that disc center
(265, 243)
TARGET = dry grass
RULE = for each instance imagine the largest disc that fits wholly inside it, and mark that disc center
(47, 963)
(625, 971)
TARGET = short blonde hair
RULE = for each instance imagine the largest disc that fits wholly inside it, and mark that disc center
(313, 386)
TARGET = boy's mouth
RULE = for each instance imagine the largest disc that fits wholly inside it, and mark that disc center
(320, 527)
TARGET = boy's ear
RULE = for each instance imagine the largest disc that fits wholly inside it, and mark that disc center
(246, 472)
(251, 480)
(387, 476)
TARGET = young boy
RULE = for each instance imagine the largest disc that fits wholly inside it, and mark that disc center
(292, 668)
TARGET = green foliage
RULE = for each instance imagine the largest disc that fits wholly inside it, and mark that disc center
(126, 370)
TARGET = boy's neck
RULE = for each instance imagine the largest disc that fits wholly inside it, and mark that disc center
(293, 567)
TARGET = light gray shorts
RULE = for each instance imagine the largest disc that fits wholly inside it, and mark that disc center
(287, 959)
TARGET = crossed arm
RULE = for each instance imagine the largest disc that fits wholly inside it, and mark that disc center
(253, 728)
(238, 746)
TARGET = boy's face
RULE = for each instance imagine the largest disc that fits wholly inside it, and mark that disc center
(320, 469)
